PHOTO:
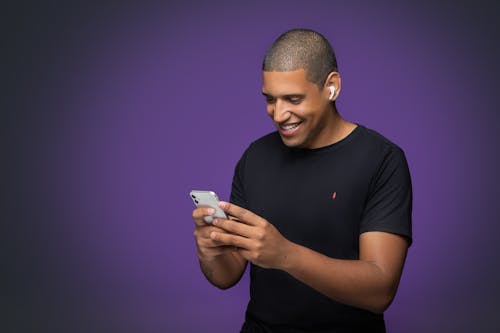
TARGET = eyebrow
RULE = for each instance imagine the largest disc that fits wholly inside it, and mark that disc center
(284, 96)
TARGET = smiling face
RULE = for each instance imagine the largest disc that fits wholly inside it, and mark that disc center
(302, 113)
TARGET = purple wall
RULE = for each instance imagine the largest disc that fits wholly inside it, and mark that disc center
(114, 112)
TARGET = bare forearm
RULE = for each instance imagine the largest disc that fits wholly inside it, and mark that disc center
(355, 282)
(224, 271)
(369, 283)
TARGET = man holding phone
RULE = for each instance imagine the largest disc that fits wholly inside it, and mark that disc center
(321, 208)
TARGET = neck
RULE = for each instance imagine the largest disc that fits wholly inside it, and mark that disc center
(339, 127)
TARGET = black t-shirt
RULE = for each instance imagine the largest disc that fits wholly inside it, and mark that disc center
(322, 199)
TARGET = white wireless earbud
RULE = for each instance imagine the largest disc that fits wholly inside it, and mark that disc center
(332, 93)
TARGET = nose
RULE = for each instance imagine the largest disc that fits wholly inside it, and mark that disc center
(279, 111)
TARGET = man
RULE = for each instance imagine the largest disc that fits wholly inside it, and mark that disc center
(321, 208)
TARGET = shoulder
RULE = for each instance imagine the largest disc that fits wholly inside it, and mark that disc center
(272, 138)
(265, 144)
(389, 166)
(260, 150)
(377, 145)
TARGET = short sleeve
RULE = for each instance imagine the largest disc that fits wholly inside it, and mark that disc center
(389, 202)
(238, 188)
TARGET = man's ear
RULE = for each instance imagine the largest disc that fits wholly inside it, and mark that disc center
(332, 86)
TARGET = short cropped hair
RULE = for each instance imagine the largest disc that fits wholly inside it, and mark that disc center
(302, 49)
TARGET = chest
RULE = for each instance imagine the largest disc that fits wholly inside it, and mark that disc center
(316, 202)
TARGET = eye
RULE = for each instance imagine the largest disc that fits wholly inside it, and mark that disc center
(295, 99)
(270, 100)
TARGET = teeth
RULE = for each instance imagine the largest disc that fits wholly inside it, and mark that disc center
(289, 127)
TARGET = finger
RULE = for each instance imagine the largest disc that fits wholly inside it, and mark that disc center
(203, 211)
(215, 252)
(234, 227)
(203, 232)
(246, 254)
(242, 214)
(200, 213)
(229, 239)
(211, 244)
(208, 241)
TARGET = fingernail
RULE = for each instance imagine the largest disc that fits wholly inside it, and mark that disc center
(211, 211)
(222, 204)
(212, 235)
(215, 221)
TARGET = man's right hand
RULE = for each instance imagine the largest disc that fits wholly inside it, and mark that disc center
(208, 249)
(222, 265)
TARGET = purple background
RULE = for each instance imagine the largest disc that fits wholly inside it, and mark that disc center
(114, 112)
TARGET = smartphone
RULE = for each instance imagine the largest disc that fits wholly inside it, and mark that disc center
(208, 199)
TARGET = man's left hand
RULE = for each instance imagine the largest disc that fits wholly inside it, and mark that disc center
(256, 239)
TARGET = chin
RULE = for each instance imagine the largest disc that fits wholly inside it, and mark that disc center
(292, 143)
